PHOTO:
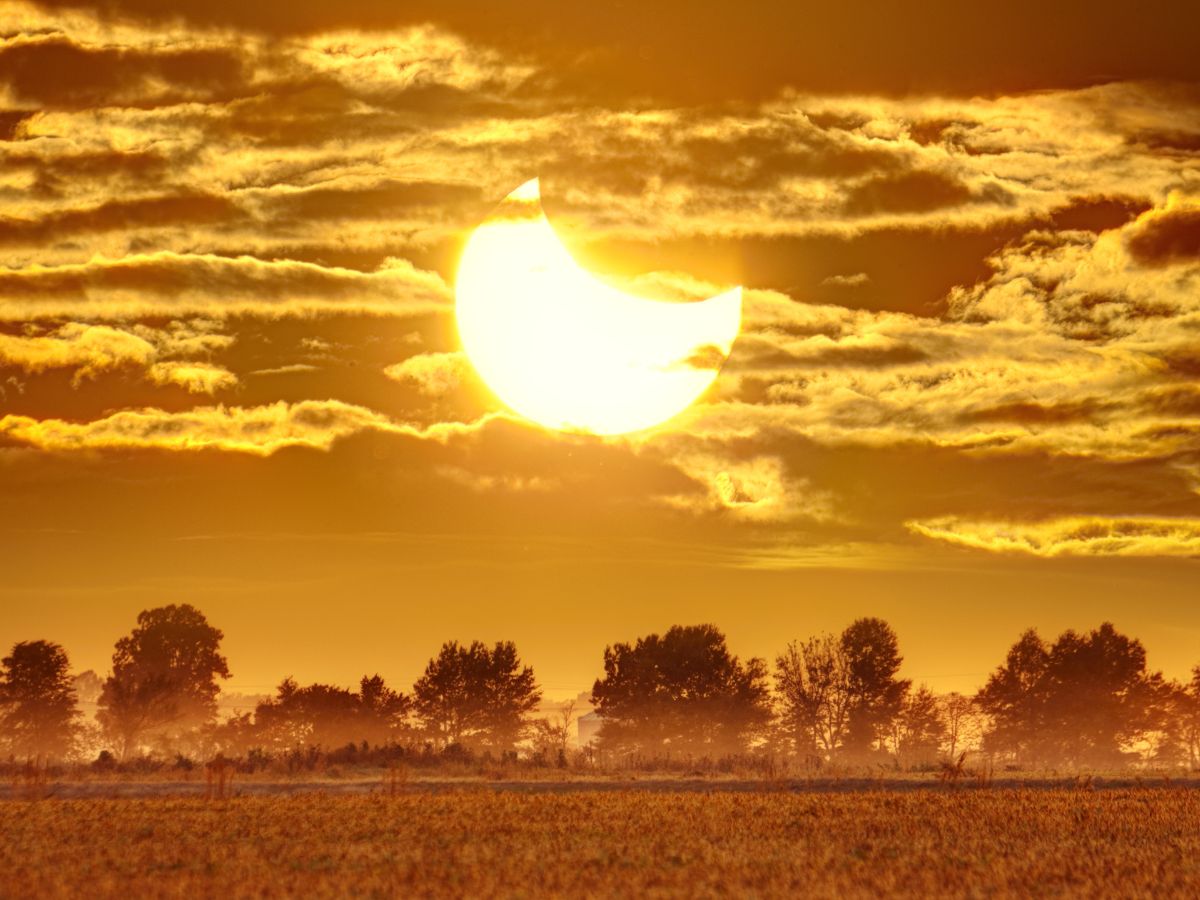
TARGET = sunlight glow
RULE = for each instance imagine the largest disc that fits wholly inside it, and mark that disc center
(570, 352)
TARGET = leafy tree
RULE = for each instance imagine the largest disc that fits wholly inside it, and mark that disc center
(38, 707)
(962, 722)
(1177, 721)
(476, 697)
(382, 712)
(813, 683)
(1013, 698)
(876, 695)
(552, 734)
(919, 729)
(1081, 700)
(164, 681)
(681, 691)
(319, 715)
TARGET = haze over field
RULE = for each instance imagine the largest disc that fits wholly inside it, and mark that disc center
(964, 397)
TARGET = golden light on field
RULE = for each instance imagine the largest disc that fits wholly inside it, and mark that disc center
(570, 352)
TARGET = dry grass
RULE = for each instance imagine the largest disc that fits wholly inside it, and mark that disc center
(1136, 842)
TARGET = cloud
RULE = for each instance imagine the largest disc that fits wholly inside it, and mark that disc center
(1167, 235)
(293, 369)
(259, 430)
(1079, 536)
(434, 374)
(91, 350)
(189, 208)
(56, 71)
(915, 191)
(750, 490)
(671, 50)
(195, 377)
(166, 283)
(88, 349)
(858, 278)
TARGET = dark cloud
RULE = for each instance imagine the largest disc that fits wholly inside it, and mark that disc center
(915, 191)
(753, 49)
(1088, 410)
(56, 174)
(909, 269)
(762, 160)
(1173, 401)
(1174, 141)
(379, 201)
(307, 109)
(751, 354)
(1183, 361)
(1167, 236)
(170, 210)
(58, 72)
(1097, 214)
(10, 122)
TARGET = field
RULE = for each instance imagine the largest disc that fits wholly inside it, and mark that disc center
(1127, 841)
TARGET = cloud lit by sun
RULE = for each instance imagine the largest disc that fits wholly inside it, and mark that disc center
(263, 328)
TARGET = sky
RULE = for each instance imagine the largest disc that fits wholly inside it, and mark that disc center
(965, 396)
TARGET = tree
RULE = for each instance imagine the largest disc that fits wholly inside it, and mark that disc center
(1012, 698)
(38, 706)
(321, 715)
(962, 727)
(476, 697)
(1185, 714)
(318, 715)
(919, 729)
(682, 692)
(1081, 700)
(876, 694)
(813, 683)
(382, 712)
(552, 734)
(164, 681)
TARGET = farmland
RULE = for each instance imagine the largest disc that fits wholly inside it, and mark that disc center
(622, 842)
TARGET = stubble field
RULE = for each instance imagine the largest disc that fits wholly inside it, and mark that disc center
(1119, 842)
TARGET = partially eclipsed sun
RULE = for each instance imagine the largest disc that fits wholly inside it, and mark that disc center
(570, 352)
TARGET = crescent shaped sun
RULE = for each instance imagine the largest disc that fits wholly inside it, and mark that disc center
(566, 350)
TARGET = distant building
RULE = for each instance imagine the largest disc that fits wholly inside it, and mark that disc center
(589, 727)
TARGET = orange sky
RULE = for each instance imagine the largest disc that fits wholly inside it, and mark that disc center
(964, 398)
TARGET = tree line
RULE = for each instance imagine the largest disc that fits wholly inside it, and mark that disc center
(1083, 699)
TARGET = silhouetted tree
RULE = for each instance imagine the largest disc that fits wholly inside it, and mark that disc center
(318, 715)
(919, 729)
(1081, 700)
(552, 734)
(876, 695)
(962, 722)
(164, 680)
(38, 709)
(1014, 698)
(1180, 720)
(382, 712)
(813, 682)
(682, 691)
(476, 697)
(321, 715)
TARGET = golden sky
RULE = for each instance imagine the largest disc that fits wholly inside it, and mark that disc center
(966, 395)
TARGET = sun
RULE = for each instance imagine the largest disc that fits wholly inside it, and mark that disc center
(566, 350)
